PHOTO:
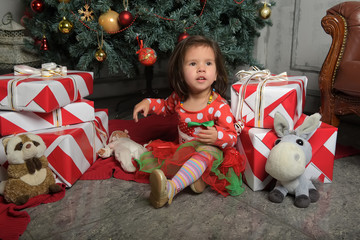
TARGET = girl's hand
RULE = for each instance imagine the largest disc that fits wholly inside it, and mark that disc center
(143, 107)
(207, 136)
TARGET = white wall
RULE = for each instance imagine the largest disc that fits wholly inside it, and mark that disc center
(16, 7)
(296, 43)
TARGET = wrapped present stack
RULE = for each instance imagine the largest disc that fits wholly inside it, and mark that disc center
(50, 103)
(255, 98)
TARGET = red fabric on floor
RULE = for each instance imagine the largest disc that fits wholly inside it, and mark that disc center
(13, 222)
(147, 129)
(345, 151)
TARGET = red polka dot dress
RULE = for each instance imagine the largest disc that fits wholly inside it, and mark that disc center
(226, 176)
(217, 111)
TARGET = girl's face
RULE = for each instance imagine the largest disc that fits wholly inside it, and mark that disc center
(199, 68)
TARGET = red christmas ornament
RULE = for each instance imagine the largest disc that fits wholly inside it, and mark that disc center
(44, 45)
(147, 56)
(23, 19)
(183, 36)
(125, 18)
(37, 41)
(37, 6)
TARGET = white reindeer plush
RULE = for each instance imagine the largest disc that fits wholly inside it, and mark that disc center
(287, 161)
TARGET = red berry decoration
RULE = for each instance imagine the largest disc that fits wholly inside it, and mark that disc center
(125, 18)
(183, 36)
(37, 6)
(147, 56)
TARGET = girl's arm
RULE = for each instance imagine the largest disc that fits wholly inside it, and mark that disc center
(224, 124)
(163, 106)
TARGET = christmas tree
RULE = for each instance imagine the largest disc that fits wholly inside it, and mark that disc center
(93, 34)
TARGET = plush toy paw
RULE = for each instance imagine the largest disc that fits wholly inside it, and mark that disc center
(314, 195)
(125, 159)
(302, 201)
(54, 188)
(21, 200)
(104, 152)
(276, 196)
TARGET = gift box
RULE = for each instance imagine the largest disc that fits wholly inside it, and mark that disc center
(71, 150)
(43, 94)
(256, 143)
(12, 122)
(102, 127)
(254, 101)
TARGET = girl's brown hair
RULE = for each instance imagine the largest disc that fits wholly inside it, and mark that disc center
(175, 71)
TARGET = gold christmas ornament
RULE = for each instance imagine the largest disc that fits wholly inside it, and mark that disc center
(109, 21)
(100, 55)
(265, 11)
(65, 26)
(86, 15)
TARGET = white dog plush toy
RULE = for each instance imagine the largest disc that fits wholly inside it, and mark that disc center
(123, 148)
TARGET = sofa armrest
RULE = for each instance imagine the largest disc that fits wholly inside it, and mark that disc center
(335, 26)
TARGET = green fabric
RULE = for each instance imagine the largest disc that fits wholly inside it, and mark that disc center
(148, 163)
(205, 124)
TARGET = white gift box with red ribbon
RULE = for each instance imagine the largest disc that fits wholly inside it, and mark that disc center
(43, 94)
(12, 122)
(258, 95)
(256, 143)
(71, 150)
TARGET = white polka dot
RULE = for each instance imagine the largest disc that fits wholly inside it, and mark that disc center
(224, 145)
(158, 101)
(175, 102)
(220, 135)
(149, 100)
(153, 108)
(182, 110)
(222, 105)
(173, 96)
(200, 116)
(187, 120)
(163, 109)
(228, 119)
(218, 113)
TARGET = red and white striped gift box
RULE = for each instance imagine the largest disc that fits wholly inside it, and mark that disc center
(43, 94)
(256, 102)
(102, 127)
(71, 150)
(12, 122)
(256, 143)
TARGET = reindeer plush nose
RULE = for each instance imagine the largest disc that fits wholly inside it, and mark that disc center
(28, 146)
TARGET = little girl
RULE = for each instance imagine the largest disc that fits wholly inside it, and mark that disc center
(207, 136)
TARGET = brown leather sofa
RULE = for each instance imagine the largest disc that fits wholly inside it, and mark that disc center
(339, 79)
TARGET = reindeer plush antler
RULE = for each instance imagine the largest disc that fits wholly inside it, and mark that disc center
(288, 159)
